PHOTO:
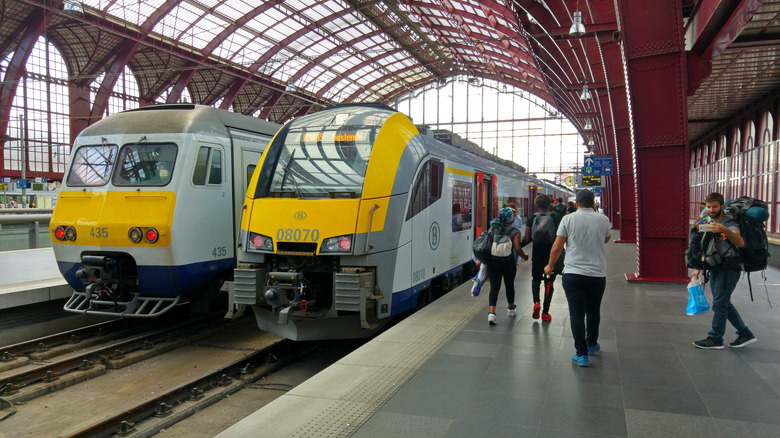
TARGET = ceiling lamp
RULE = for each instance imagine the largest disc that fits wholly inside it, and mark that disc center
(585, 93)
(290, 86)
(72, 7)
(577, 27)
(588, 125)
(590, 141)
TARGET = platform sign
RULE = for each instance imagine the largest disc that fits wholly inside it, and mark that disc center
(3, 187)
(598, 191)
(598, 165)
(592, 181)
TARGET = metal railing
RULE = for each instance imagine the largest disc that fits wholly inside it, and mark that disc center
(33, 217)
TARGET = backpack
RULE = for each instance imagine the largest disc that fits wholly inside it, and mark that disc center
(560, 210)
(482, 246)
(703, 252)
(543, 229)
(751, 214)
(501, 250)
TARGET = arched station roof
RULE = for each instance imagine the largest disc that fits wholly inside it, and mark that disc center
(242, 54)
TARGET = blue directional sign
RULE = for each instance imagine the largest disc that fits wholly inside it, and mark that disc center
(598, 165)
(598, 191)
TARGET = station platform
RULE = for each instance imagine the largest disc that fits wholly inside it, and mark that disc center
(29, 277)
(444, 372)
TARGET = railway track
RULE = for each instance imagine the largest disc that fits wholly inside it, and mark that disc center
(74, 363)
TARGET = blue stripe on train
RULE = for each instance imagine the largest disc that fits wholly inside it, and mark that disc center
(406, 299)
(163, 281)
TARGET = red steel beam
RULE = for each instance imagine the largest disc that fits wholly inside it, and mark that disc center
(654, 53)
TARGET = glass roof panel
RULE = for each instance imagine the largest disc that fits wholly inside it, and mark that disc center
(129, 10)
(259, 23)
(234, 9)
(176, 21)
(235, 43)
(203, 31)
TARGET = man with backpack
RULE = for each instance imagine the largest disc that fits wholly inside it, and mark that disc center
(723, 277)
(540, 230)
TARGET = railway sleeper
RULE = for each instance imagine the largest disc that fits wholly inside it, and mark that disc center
(43, 387)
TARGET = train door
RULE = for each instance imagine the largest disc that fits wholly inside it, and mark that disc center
(532, 190)
(212, 187)
(485, 201)
(247, 149)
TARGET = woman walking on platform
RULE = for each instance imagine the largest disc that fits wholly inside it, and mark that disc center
(504, 268)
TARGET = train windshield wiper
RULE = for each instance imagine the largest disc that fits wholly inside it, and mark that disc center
(286, 171)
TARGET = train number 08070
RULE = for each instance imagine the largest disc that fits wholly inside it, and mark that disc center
(297, 235)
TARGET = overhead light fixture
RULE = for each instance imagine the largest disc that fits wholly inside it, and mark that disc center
(590, 141)
(585, 93)
(588, 125)
(72, 7)
(290, 86)
(577, 27)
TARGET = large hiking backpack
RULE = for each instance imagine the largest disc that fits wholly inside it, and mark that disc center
(543, 229)
(751, 215)
(703, 252)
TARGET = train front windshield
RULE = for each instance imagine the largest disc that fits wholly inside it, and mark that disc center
(136, 165)
(322, 155)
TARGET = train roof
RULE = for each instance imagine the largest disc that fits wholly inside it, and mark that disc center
(177, 118)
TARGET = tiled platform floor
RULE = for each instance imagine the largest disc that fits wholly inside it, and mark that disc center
(516, 378)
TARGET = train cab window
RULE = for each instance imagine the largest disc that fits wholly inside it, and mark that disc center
(92, 165)
(147, 164)
(208, 167)
(427, 187)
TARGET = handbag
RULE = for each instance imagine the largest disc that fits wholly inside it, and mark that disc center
(697, 301)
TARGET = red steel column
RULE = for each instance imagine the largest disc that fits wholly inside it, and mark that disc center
(653, 49)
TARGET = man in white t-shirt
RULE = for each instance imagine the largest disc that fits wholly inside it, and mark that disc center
(584, 232)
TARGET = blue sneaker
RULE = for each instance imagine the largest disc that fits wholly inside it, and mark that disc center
(593, 349)
(580, 361)
(476, 289)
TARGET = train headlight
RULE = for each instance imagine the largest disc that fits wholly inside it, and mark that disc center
(152, 235)
(258, 242)
(135, 235)
(70, 233)
(337, 244)
(59, 233)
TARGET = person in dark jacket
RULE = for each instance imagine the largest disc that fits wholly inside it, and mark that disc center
(540, 254)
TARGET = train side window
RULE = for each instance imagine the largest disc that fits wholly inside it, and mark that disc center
(215, 171)
(461, 201)
(250, 170)
(199, 177)
(427, 187)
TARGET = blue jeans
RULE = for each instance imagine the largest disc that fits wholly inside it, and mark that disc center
(722, 284)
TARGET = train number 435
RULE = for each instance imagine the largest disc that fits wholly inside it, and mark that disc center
(99, 232)
(220, 251)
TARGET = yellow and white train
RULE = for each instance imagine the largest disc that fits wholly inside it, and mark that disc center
(356, 215)
(149, 207)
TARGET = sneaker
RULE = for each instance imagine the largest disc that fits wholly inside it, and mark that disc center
(546, 317)
(580, 361)
(476, 289)
(537, 309)
(593, 349)
(742, 340)
(492, 318)
(511, 312)
(709, 344)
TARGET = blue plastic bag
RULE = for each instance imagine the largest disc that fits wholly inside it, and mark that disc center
(697, 302)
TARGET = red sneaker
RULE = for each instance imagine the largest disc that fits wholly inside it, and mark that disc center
(537, 309)
(546, 317)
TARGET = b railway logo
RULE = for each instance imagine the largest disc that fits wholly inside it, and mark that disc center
(299, 215)
(434, 235)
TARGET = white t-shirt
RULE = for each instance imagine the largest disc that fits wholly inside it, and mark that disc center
(585, 232)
